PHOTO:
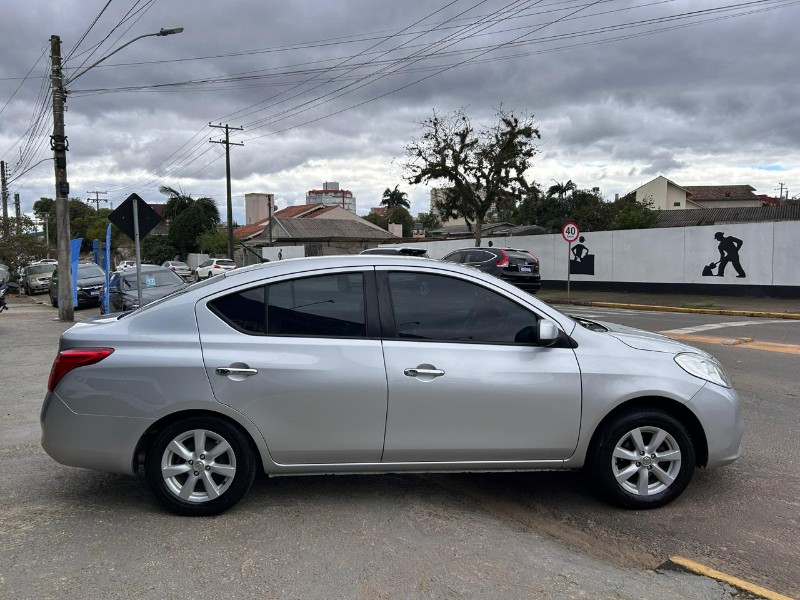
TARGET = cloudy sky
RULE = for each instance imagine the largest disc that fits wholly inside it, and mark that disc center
(702, 92)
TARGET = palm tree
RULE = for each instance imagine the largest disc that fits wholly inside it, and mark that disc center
(560, 190)
(393, 198)
(179, 202)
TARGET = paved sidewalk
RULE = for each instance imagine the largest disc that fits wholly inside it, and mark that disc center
(754, 306)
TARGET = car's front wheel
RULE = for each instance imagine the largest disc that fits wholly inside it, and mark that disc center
(200, 466)
(642, 459)
(53, 300)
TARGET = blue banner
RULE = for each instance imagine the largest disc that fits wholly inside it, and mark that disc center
(107, 266)
(75, 250)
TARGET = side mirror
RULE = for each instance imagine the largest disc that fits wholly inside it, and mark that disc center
(547, 332)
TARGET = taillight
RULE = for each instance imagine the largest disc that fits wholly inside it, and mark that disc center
(503, 262)
(73, 358)
(217, 267)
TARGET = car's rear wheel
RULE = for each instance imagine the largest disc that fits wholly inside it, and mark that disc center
(53, 300)
(642, 459)
(200, 466)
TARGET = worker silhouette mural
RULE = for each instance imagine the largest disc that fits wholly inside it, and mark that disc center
(581, 262)
(728, 253)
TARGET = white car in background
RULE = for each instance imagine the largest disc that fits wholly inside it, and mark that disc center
(179, 268)
(126, 264)
(213, 266)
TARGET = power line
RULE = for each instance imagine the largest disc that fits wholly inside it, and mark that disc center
(85, 33)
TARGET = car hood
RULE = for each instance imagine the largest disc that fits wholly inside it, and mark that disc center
(91, 281)
(647, 340)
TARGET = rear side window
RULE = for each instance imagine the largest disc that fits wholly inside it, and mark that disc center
(244, 311)
(478, 256)
(455, 257)
(325, 306)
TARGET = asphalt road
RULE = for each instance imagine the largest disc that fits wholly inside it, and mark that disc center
(71, 533)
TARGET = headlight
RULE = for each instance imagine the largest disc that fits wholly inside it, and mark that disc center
(704, 368)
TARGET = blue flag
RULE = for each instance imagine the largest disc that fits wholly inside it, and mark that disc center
(75, 252)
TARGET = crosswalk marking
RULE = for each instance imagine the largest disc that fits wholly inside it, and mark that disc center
(709, 326)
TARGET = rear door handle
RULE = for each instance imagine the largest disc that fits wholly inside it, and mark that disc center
(417, 372)
(225, 371)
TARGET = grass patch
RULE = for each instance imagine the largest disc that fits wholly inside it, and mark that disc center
(698, 305)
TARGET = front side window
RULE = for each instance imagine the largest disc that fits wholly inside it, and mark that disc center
(325, 305)
(438, 308)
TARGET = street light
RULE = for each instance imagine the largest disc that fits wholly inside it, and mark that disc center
(60, 145)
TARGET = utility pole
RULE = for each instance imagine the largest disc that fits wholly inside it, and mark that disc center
(59, 145)
(18, 213)
(97, 199)
(780, 194)
(228, 145)
(5, 196)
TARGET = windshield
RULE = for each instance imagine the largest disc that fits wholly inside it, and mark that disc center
(86, 271)
(39, 269)
(151, 279)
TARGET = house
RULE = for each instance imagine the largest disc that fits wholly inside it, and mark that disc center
(665, 194)
(320, 229)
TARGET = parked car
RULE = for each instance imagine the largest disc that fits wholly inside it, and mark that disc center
(518, 267)
(213, 266)
(179, 268)
(157, 282)
(126, 264)
(91, 281)
(407, 251)
(347, 364)
(35, 278)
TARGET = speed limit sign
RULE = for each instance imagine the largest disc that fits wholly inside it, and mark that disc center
(570, 232)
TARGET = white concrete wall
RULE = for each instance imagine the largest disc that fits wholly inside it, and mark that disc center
(284, 252)
(768, 254)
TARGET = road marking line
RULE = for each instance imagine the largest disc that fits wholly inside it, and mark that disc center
(700, 569)
(739, 343)
(708, 326)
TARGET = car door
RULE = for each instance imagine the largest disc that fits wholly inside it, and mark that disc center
(302, 361)
(465, 382)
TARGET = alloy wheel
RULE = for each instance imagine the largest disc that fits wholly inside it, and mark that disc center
(646, 461)
(198, 466)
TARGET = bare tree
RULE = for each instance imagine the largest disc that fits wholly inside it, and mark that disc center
(480, 169)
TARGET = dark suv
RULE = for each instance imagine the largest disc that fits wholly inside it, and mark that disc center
(91, 281)
(519, 267)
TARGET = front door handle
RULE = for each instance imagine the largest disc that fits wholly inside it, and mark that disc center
(225, 371)
(424, 372)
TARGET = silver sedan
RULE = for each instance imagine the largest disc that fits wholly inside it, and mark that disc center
(359, 364)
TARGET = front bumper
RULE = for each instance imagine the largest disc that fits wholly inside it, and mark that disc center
(720, 415)
(95, 442)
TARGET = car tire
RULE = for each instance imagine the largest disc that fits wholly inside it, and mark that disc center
(222, 481)
(196, 277)
(53, 300)
(624, 459)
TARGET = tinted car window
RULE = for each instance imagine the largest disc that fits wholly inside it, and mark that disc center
(40, 269)
(477, 256)
(244, 310)
(328, 305)
(455, 257)
(439, 308)
(86, 271)
(225, 261)
(151, 279)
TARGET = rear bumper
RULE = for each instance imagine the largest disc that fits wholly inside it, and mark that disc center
(90, 441)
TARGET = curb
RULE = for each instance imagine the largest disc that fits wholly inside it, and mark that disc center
(679, 309)
(678, 563)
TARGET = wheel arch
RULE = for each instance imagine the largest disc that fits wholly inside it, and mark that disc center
(144, 441)
(672, 407)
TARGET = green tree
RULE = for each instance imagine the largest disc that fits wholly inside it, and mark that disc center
(157, 249)
(481, 169)
(188, 219)
(395, 197)
(400, 214)
(430, 222)
(561, 190)
(17, 250)
(214, 242)
(631, 214)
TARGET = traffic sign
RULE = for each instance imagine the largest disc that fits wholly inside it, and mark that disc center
(122, 217)
(570, 232)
